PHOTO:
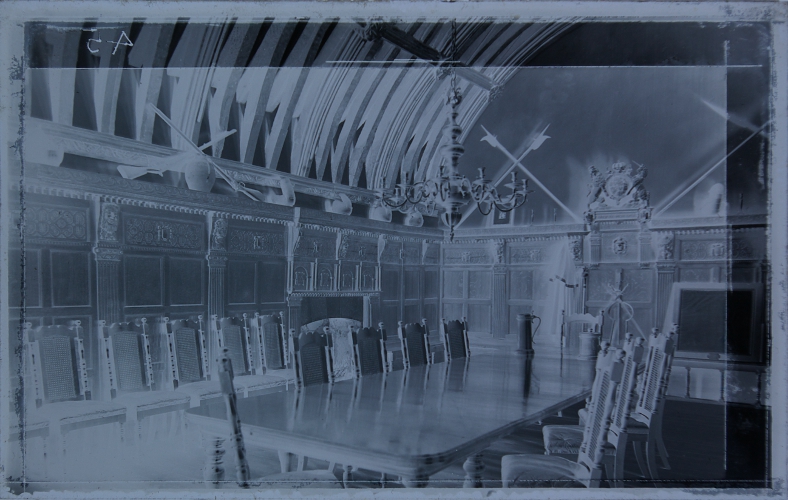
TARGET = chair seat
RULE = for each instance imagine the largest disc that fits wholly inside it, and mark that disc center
(249, 383)
(540, 471)
(200, 391)
(299, 479)
(633, 426)
(136, 402)
(566, 440)
(76, 412)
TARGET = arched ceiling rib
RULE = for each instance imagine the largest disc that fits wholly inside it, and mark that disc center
(302, 94)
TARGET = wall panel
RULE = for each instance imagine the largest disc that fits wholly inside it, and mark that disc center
(241, 282)
(70, 272)
(143, 281)
(186, 278)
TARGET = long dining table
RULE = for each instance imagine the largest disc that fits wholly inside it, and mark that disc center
(409, 423)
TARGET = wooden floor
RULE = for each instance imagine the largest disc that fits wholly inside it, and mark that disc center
(170, 456)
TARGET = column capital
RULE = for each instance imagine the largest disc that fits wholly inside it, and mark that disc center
(108, 253)
(216, 259)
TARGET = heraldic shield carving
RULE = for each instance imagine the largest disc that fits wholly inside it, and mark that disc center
(620, 187)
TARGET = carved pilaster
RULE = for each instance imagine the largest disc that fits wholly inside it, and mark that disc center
(294, 310)
(108, 280)
(500, 307)
(644, 245)
(595, 241)
(576, 248)
(217, 267)
(666, 273)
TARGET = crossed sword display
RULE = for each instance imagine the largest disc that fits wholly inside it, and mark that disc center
(517, 162)
(133, 171)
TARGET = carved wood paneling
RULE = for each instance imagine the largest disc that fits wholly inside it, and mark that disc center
(392, 252)
(143, 280)
(454, 256)
(256, 242)
(620, 247)
(310, 246)
(59, 223)
(521, 284)
(151, 232)
(186, 281)
(526, 255)
(453, 284)
(241, 282)
(703, 250)
(70, 284)
(479, 285)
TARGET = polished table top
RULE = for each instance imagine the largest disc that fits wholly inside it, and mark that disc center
(410, 422)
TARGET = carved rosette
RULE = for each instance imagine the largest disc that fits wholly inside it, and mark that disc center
(109, 221)
(219, 234)
(664, 243)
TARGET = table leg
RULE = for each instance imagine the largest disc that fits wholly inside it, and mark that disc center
(419, 481)
(473, 466)
(347, 476)
(284, 461)
(214, 466)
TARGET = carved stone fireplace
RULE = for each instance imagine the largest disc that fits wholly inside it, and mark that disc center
(304, 308)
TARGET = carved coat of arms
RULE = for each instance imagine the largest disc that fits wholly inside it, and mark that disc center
(619, 187)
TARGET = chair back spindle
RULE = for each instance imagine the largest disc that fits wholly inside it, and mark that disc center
(271, 342)
(187, 354)
(655, 377)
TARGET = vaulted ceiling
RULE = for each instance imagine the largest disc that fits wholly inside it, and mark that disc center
(351, 103)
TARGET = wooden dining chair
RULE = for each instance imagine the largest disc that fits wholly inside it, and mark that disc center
(295, 479)
(549, 470)
(61, 391)
(645, 422)
(187, 359)
(455, 338)
(646, 418)
(271, 342)
(312, 357)
(369, 351)
(235, 335)
(566, 439)
(415, 343)
(127, 372)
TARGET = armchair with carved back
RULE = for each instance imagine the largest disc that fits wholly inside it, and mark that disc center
(415, 344)
(455, 338)
(61, 392)
(549, 470)
(566, 439)
(369, 351)
(187, 359)
(236, 336)
(312, 358)
(127, 372)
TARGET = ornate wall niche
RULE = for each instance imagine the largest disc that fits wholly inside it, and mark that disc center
(368, 279)
(302, 275)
